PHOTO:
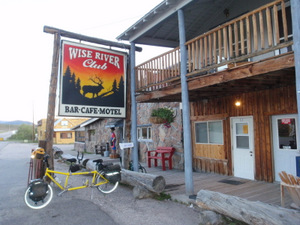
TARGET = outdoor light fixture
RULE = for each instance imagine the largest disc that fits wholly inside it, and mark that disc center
(226, 12)
(238, 103)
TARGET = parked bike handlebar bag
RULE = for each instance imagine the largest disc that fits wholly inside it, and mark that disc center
(112, 173)
(74, 168)
(38, 190)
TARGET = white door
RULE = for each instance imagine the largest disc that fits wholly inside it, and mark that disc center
(243, 147)
(285, 144)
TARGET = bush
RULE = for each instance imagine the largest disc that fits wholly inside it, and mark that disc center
(24, 133)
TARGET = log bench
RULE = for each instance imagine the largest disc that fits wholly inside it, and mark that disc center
(162, 153)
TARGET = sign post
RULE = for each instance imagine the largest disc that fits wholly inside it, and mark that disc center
(125, 154)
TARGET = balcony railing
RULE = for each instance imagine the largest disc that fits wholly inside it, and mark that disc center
(251, 35)
(154, 73)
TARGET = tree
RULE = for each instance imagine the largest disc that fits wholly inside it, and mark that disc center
(24, 133)
(121, 85)
(114, 86)
(78, 85)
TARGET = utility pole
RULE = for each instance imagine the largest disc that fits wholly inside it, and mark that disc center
(51, 100)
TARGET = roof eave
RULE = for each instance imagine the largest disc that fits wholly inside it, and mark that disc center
(152, 18)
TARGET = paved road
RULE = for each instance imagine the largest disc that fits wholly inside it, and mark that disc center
(14, 166)
(7, 134)
(86, 206)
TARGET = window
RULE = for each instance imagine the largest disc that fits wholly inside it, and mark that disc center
(242, 135)
(65, 135)
(144, 133)
(287, 133)
(210, 132)
(79, 136)
(64, 123)
(91, 134)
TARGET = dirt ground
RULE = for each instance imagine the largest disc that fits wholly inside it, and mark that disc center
(124, 209)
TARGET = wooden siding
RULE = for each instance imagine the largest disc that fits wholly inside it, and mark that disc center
(261, 105)
(209, 151)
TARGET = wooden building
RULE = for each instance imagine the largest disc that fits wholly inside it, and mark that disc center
(63, 130)
(240, 76)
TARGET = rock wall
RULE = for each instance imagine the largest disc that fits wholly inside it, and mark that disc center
(97, 134)
(162, 135)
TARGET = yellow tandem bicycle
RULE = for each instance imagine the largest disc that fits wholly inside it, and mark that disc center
(39, 193)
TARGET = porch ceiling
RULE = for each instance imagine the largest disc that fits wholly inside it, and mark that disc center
(159, 27)
(269, 80)
(271, 73)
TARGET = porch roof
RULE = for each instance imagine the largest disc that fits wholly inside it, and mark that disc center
(115, 123)
(159, 27)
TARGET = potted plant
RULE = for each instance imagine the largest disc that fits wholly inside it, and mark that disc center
(162, 115)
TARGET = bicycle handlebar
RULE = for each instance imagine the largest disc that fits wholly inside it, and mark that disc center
(45, 160)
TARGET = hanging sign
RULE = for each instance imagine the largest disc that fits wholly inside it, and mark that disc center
(92, 81)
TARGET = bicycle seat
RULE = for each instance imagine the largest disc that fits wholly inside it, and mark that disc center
(98, 160)
(71, 160)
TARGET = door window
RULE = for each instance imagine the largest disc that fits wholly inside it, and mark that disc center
(287, 133)
(242, 135)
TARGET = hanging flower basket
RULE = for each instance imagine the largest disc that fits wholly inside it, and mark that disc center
(162, 115)
(156, 120)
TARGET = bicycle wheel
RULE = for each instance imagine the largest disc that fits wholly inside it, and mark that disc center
(38, 204)
(108, 187)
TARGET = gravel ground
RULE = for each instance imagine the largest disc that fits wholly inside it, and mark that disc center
(124, 209)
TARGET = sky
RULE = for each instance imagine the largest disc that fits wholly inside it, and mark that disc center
(26, 51)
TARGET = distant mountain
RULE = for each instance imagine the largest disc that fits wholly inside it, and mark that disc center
(15, 122)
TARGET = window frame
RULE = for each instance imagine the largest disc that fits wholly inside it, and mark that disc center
(148, 133)
(208, 133)
(66, 135)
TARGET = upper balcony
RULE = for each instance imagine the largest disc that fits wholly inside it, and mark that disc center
(261, 34)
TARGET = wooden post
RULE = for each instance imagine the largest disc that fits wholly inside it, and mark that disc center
(51, 100)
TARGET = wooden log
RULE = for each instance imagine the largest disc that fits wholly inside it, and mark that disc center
(143, 183)
(247, 211)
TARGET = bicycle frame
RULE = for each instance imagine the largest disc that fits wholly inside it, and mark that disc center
(65, 187)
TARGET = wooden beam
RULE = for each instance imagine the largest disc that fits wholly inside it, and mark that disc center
(210, 117)
(52, 30)
(158, 94)
(241, 72)
(254, 69)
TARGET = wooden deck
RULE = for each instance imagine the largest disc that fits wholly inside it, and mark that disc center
(251, 190)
